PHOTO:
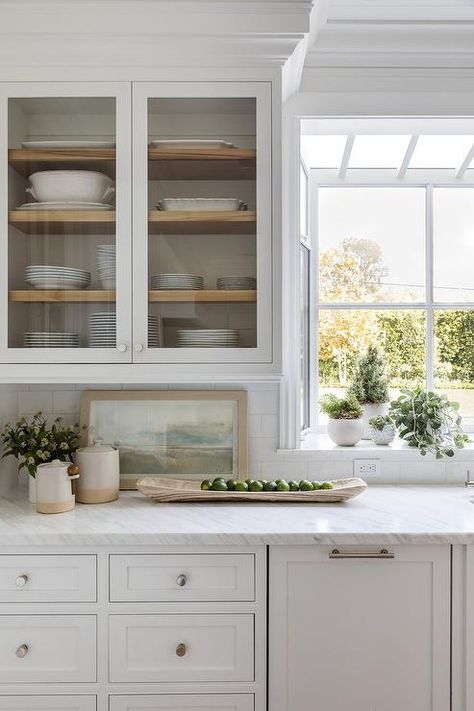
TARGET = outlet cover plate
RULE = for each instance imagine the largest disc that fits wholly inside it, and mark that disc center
(367, 467)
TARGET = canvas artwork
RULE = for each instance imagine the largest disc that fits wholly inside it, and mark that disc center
(187, 435)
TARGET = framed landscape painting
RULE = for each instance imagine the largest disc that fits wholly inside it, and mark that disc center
(182, 434)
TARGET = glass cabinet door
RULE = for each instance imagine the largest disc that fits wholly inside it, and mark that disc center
(202, 212)
(66, 243)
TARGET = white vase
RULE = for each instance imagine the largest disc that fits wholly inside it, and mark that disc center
(31, 489)
(345, 433)
(383, 437)
(370, 410)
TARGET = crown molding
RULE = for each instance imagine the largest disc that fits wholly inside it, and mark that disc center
(401, 11)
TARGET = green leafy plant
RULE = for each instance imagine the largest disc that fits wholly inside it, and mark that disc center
(340, 408)
(36, 442)
(378, 423)
(429, 422)
(369, 382)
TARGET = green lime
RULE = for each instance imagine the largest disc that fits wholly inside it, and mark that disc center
(270, 486)
(231, 484)
(249, 481)
(241, 486)
(263, 481)
(219, 485)
(206, 485)
(255, 486)
(218, 478)
(326, 485)
(316, 485)
(283, 486)
(305, 485)
(294, 486)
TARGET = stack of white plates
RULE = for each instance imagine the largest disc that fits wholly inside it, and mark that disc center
(236, 282)
(154, 332)
(177, 281)
(50, 339)
(42, 276)
(102, 330)
(65, 206)
(105, 258)
(208, 338)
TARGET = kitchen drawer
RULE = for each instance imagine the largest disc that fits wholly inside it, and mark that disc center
(192, 578)
(183, 702)
(47, 578)
(47, 703)
(160, 648)
(47, 648)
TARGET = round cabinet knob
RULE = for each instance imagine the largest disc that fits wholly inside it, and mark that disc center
(22, 651)
(138, 347)
(21, 581)
(181, 650)
(121, 347)
(181, 580)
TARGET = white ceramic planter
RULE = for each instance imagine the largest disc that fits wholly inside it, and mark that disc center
(31, 489)
(345, 433)
(370, 410)
(383, 437)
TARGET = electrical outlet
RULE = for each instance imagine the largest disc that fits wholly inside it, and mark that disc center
(367, 467)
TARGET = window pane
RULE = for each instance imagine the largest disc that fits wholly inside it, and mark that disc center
(371, 244)
(378, 151)
(454, 357)
(440, 151)
(323, 151)
(453, 224)
(346, 334)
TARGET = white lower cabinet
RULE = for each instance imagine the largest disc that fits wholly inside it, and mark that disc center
(359, 633)
(48, 703)
(183, 702)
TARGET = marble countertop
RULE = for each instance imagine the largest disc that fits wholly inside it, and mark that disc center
(383, 514)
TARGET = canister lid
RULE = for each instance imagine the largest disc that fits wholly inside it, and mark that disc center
(56, 463)
(98, 447)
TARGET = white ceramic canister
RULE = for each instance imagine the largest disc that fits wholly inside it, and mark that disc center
(100, 473)
(53, 486)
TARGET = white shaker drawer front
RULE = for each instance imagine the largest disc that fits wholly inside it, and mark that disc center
(47, 648)
(160, 648)
(183, 702)
(48, 703)
(192, 578)
(47, 578)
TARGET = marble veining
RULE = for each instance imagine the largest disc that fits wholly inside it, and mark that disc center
(385, 514)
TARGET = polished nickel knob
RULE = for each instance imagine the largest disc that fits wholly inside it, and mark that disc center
(138, 347)
(22, 651)
(181, 649)
(181, 580)
(121, 347)
(21, 581)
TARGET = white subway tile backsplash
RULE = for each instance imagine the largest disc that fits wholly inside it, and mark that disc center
(431, 472)
(263, 402)
(32, 401)
(66, 401)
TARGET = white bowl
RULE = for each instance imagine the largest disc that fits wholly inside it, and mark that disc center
(70, 186)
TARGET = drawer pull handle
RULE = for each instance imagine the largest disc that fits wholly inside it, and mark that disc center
(382, 553)
(22, 651)
(181, 650)
(181, 580)
(21, 581)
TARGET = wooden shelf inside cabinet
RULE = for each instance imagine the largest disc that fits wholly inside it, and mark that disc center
(63, 221)
(202, 222)
(27, 160)
(202, 295)
(201, 163)
(37, 296)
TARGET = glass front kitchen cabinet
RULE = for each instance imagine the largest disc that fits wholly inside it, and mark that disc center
(66, 244)
(202, 152)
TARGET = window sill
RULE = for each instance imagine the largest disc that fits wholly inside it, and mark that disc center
(318, 446)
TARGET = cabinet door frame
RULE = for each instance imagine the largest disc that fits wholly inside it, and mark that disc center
(121, 92)
(280, 557)
(262, 92)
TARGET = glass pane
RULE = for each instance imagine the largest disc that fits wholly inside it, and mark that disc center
(202, 223)
(453, 228)
(304, 336)
(345, 334)
(440, 151)
(378, 151)
(61, 223)
(365, 235)
(323, 151)
(454, 357)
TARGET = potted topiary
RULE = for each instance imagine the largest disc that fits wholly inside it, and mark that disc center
(345, 419)
(382, 430)
(370, 387)
(429, 422)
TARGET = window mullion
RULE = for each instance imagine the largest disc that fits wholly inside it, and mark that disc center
(429, 289)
